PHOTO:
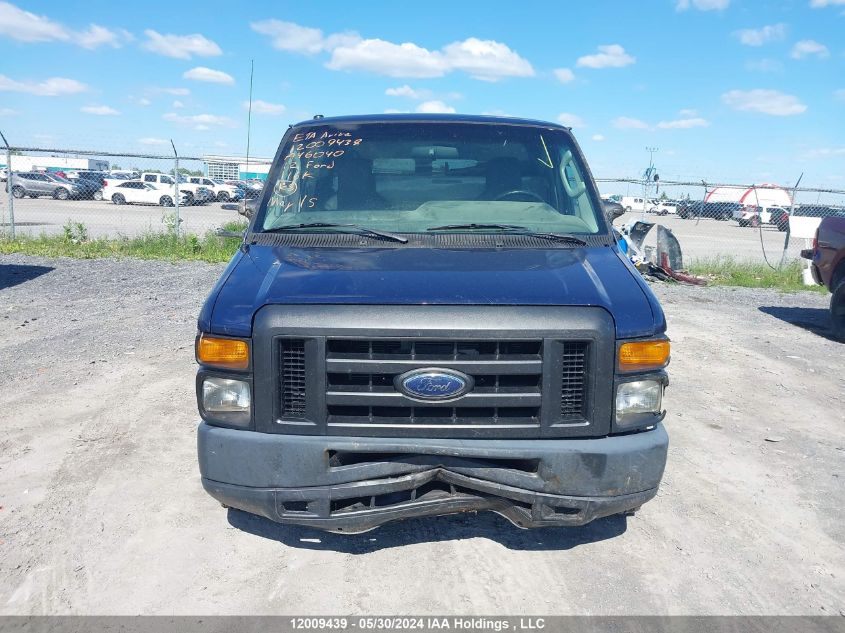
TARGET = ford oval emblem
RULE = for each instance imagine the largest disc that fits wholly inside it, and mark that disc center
(433, 383)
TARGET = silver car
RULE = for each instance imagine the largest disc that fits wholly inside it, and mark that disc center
(34, 184)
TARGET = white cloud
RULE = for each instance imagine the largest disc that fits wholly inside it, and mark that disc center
(598, 137)
(486, 60)
(408, 92)
(820, 4)
(839, 95)
(52, 87)
(570, 120)
(288, 36)
(629, 123)
(609, 56)
(683, 124)
(264, 107)
(395, 111)
(180, 46)
(564, 75)
(149, 140)
(435, 107)
(824, 152)
(99, 110)
(174, 91)
(144, 102)
(688, 112)
(387, 58)
(96, 36)
(772, 102)
(8, 112)
(201, 73)
(764, 65)
(807, 48)
(177, 104)
(758, 37)
(199, 121)
(28, 27)
(702, 5)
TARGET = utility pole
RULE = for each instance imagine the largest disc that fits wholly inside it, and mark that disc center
(648, 175)
(249, 114)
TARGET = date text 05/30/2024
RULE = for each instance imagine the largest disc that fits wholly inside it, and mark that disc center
(452, 623)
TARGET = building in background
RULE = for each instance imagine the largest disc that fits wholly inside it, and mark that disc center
(236, 167)
(54, 163)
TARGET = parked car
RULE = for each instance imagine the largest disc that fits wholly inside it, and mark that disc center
(86, 188)
(139, 192)
(828, 266)
(189, 189)
(247, 192)
(222, 191)
(35, 184)
(753, 215)
(662, 207)
(780, 218)
(715, 210)
(204, 195)
(380, 352)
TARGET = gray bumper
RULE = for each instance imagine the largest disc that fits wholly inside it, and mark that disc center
(355, 484)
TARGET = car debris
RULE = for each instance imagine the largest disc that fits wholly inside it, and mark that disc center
(662, 261)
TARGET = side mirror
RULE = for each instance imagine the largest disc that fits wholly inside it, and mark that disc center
(612, 210)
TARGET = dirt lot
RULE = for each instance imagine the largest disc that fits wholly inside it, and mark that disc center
(103, 512)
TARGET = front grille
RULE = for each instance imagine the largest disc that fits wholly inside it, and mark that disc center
(537, 371)
(573, 379)
(507, 375)
(294, 393)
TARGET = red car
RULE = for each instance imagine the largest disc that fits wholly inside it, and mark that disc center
(828, 257)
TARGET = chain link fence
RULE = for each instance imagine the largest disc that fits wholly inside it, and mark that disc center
(114, 194)
(51, 191)
(742, 222)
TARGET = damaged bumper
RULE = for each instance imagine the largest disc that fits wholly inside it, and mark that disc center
(353, 485)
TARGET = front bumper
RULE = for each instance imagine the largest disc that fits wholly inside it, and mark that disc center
(350, 485)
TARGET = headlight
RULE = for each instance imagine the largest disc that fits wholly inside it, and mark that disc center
(226, 400)
(636, 398)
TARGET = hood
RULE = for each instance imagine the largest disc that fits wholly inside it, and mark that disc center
(595, 276)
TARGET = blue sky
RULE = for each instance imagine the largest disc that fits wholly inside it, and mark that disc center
(726, 89)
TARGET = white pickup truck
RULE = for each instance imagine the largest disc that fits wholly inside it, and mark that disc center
(164, 181)
(221, 190)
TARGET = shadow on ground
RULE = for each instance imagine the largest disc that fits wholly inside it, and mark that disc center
(453, 527)
(815, 320)
(14, 274)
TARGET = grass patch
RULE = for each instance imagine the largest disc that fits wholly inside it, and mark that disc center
(726, 271)
(74, 242)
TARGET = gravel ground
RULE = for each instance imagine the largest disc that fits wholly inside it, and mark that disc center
(102, 511)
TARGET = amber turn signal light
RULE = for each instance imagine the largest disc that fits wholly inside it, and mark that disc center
(642, 355)
(230, 353)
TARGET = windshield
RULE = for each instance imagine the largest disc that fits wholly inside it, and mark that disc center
(413, 177)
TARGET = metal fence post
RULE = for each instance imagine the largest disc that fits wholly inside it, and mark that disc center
(9, 187)
(177, 194)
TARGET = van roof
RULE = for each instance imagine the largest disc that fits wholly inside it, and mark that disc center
(429, 118)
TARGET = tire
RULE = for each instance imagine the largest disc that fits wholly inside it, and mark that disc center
(627, 209)
(743, 222)
(223, 196)
(166, 201)
(61, 194)
(837, 311)
(754, 222)
(98, 195)
(18, 192)
(118, 198)
(189, 198)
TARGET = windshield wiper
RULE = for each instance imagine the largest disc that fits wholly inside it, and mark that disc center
(341, 228)
(513, 229)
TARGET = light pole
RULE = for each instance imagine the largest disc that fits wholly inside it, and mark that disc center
(648, 175)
